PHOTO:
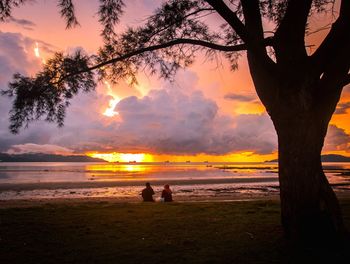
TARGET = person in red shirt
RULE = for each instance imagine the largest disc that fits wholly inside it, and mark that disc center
(167, 194)
(147, 193)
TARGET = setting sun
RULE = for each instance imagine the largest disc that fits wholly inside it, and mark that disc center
(123, 157)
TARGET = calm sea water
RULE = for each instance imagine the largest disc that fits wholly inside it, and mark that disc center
(36, 180)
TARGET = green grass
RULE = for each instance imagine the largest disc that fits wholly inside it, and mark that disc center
(101, 232)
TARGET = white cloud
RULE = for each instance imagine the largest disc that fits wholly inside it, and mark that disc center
(336, 139)
(169, 121)
(35, 148)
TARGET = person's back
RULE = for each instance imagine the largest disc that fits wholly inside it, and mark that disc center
(167, 194)
(147, 193)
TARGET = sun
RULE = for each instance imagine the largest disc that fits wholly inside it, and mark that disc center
(132, 157)
(123, 157)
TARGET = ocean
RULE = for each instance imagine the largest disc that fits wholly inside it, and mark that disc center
(188, 180)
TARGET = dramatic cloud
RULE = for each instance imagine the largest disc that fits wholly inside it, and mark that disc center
(239, 97)
(169, 121)
(176, 118)
(336, 139)
(24, 23)
(13, 58)
(342, 108)
(35, 148)
(16, 55)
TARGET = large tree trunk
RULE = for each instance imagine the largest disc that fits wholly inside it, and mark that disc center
(301, 105)
(309, 207)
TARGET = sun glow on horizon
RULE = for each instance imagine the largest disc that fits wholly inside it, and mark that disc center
(123, 157)
(146, 157)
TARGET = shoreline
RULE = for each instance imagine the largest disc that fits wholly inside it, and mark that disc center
(26, 186)
(197, 190)
(33, 202)
(108, 201)
(25, 203)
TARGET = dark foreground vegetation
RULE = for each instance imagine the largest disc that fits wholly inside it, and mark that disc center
(103, 232)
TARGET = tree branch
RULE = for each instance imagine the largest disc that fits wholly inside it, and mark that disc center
(337, 37)
(214, 46)
(260, 64)
(252, 18)
(253, 24)
(230, 17)
(290, 42)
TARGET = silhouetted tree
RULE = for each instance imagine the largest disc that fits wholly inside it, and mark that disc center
(300, 91)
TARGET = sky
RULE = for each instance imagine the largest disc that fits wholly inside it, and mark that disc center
(208, 114)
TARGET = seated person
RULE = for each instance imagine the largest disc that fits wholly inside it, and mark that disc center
(167, 194)
(147, 193)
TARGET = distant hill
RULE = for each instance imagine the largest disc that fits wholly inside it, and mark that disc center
(334, 158)
(327, 158)
(41, 157)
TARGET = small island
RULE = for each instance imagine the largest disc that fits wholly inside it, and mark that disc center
(327, 158)
(42, 157)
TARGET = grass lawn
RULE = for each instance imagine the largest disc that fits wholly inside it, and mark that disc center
(102, 232)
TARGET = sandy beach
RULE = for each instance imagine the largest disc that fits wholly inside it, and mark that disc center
(37, 202)
(66, 214)
(122, 231)
(17, 203)
(197, 190)
(228, 217)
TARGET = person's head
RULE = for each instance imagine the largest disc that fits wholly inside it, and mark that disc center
(166, 186)
(148, 184)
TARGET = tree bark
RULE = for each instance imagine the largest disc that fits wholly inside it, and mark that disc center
(310, 211)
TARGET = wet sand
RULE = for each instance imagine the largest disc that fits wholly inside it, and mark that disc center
(20, 203)
(36, 194)
(101, 184)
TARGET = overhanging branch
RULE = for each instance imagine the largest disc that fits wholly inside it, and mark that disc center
(195, 42)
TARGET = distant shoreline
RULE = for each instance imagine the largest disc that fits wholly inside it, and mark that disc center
(41, 157)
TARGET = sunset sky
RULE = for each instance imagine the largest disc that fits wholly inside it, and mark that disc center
(208, 113)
